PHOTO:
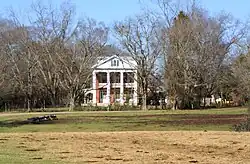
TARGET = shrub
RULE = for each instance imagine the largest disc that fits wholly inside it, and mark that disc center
(90, 108)
(115, 107)
(244, 126)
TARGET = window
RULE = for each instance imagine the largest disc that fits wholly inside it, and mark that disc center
(102, 77)
(114, 63)
(115, 77)
(128, 77)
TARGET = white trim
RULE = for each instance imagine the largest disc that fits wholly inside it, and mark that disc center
(108, 88)
(114, 70)
(135, 96)
(94, 86)
(121, 88)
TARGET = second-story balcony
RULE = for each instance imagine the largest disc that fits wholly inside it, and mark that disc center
(116, 85)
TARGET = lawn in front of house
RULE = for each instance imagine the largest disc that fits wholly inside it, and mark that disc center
(153, 120)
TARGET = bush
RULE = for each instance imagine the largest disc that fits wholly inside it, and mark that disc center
(115, 107)
(242, 127)
(90, 108)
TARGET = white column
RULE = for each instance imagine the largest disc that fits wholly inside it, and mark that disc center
(121, 88)
(94, 87)
(108, 88)
(135, 96)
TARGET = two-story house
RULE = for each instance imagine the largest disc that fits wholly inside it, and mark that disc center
(115, 81)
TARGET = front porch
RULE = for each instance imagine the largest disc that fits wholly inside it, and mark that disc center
(114, 86)
(115, 96)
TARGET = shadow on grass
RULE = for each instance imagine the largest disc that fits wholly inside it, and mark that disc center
(17, 123)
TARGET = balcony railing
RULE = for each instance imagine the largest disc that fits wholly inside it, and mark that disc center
(117, 85)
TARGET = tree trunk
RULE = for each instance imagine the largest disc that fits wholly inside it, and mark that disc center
(204, 102)
(29, 105)
(5, 107)
(53, 101)
(144, 101)
(53, 98)
(72, 102)
(44, 104)
(175, 104)
(30, 82)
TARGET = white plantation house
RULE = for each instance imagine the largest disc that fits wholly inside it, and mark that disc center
(114, 81)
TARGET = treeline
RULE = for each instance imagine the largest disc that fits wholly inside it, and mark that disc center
(48, 61)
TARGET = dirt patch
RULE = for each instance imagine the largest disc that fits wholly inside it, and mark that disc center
(137, 147)
(203, 119)
(163, 119)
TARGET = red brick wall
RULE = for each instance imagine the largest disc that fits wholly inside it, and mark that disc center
(112, 96)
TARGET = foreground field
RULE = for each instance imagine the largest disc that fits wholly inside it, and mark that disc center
(125, 147)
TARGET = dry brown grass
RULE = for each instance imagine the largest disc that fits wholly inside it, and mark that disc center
(133, 147)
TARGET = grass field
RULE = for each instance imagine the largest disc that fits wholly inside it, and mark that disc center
(216, 119)
(125, 147)
(144, 137)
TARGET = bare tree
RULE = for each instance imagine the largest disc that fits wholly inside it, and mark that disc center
(51, 29)
(22, 62)
(138, 36)
(197, 48)
(4, 27)
(55, 54)
(86, 46)
(241, 72)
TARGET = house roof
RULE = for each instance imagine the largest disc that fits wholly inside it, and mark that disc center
(104, 60)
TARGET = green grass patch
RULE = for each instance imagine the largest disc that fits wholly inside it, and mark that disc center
(12, 153)
(155, 120)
